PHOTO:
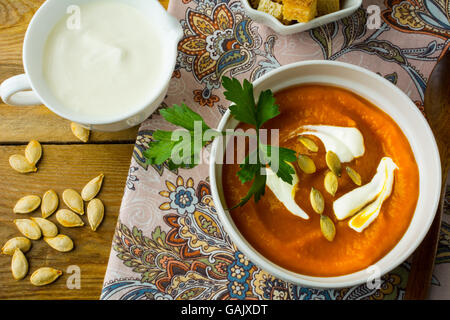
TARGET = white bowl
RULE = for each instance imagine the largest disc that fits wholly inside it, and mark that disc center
(401, 109)
(348, 7)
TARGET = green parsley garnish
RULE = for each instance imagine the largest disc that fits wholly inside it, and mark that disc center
(243, 109)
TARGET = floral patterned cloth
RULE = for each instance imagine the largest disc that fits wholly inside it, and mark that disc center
(169, 243)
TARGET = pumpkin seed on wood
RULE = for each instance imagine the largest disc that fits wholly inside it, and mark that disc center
(327, 227)
(317, 201)
(356, 178)
(33, 152)
(44, 276)
(73, 200)
(48, 228)
(95, 212)
(19, 265)
(19, 163)
(306, 164)
(22, 243)
(61, 243)
(28, 228)
(92, 188)
(50, 202)
(68, 218)
(27, 204)
(309, 144)
(330, 183)
(80, 132)
(333, 163)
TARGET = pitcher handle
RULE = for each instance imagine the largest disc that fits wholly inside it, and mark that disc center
(16, 91)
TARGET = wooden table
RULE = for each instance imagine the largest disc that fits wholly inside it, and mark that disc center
(66, 163)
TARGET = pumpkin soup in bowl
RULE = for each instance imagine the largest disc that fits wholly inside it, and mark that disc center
(296, 243)
(366, 182)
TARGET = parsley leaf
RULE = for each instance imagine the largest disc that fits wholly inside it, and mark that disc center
(166, 147)
(166, 144)
(266, 108)
(244, 108)
(257, 189)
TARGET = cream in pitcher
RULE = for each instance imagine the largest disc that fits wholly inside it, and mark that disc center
(105, 64)
(97, 68)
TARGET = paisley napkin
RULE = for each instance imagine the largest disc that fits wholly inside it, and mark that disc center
(169, 243)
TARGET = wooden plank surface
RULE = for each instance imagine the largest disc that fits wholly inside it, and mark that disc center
(66, 163)
(63, 166)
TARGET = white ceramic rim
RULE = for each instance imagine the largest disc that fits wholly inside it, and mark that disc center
(28, 53)
(280, 28)
(359, 277)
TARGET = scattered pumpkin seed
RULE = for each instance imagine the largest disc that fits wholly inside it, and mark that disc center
(73, 200)
(68, 218)
(28, 228)
(330, 183)
(44, 276)
(19, 163)
(92, 188)
(19, 265)
(306, 164)
(61, 243)
(333, 163)
(95, 212)
(327, 227)
(80, 132)
(317, 201)
(27, 204)
(309, 144)
(356, 178)
(48, 228)
(33, 152)
(22, 243)
(49, 203)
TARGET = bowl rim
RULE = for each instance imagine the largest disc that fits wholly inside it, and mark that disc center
(332, 282)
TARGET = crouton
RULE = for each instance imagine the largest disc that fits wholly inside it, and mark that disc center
(300, 10)
(272, 8)
(327, 6)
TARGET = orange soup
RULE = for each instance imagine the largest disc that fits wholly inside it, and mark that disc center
(297, 244)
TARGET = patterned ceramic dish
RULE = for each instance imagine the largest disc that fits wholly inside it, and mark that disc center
(348, 7)
(401, 109)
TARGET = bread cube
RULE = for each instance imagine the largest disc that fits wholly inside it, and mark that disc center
(327, 6)
(272, 8)
(300, 10)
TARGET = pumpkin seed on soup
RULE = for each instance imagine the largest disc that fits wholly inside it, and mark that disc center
(309, 144)
(306, 164)
(333, 163)
(356, 178)
(330, 183)
(327, 227)
(317, 201)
